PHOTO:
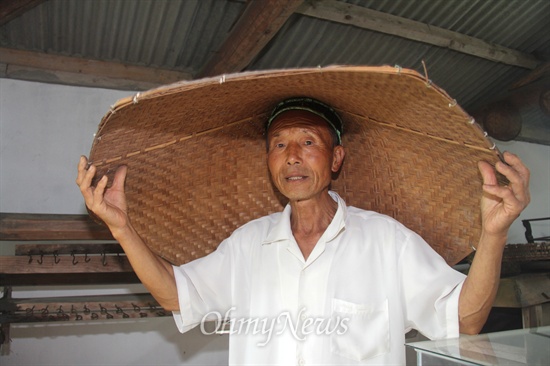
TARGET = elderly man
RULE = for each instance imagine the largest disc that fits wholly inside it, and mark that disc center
(321, 282)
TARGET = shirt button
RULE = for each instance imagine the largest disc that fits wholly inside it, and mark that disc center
(301, 362)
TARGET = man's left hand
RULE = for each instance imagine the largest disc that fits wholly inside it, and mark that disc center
(501, 205)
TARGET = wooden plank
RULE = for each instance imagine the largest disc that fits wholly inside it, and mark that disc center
(362, 17)
(259, 23)
(507, 294)
(70, 78)
(64, 264)
(48, 279)
(536, 316)
(523, 291)
(78, 308)
(80, 71)
(75, 250)
(78, 316)
(65, 270)
(14, 226)
(11, 9)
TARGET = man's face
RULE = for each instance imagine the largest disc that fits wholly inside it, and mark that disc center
(301, 156)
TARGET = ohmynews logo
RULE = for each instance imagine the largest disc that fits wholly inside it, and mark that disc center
(268, 327)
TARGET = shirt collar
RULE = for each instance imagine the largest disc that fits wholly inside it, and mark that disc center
(281, 231)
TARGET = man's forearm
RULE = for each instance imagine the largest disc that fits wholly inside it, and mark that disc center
(480, 287)
(155, 273)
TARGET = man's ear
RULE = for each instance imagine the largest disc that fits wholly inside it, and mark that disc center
(338, 156)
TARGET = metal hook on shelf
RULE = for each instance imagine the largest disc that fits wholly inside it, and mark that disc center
(74, 258)
(30, 311)
(119, 310)
(105, 311)
(61, 314)
(77, 316)
(56, 258)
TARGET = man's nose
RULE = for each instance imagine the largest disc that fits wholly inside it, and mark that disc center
(293, 154)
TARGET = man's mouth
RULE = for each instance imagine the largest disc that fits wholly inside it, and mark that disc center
(296, 178)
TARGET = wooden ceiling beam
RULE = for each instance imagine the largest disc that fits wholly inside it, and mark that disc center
(11, 9)
(397, 26)
(541, 71)
(259, 23)
(44, 67)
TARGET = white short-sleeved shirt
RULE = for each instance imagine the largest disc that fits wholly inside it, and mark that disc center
(366, 283)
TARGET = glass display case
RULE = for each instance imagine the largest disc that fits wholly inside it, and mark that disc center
(516, 347)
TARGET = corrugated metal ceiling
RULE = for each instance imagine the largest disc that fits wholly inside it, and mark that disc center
(184, 35)
(161, 33)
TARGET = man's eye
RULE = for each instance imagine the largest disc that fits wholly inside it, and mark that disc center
(280, 144)
(308, 142)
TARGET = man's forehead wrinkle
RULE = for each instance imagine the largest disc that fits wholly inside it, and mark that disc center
(310, 131)
(304, 125)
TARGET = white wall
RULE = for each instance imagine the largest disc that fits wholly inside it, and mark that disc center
(155, 341)
(537, 159)
(43, 131)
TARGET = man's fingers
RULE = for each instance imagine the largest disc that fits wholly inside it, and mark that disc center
(120, 177)
(514, 169)
(99, 190)
(518, 176)
(502, 192)
(487, 173)
(84, 180)
(515, 162)
(81, 169)
(88, 177)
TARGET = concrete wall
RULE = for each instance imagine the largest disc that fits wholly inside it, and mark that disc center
(43, 131)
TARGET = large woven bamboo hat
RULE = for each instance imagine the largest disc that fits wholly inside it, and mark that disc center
(197, 168)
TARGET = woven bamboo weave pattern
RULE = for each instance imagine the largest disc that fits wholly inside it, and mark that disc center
(196, 155)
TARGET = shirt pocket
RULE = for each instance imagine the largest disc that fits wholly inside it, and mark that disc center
(364, 331)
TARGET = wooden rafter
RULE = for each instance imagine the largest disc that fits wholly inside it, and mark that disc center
(258, 24)
(397, 26)
(11, 9)
(542, 71)
(79, 71)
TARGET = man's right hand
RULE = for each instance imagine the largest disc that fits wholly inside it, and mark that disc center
(109, 204)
